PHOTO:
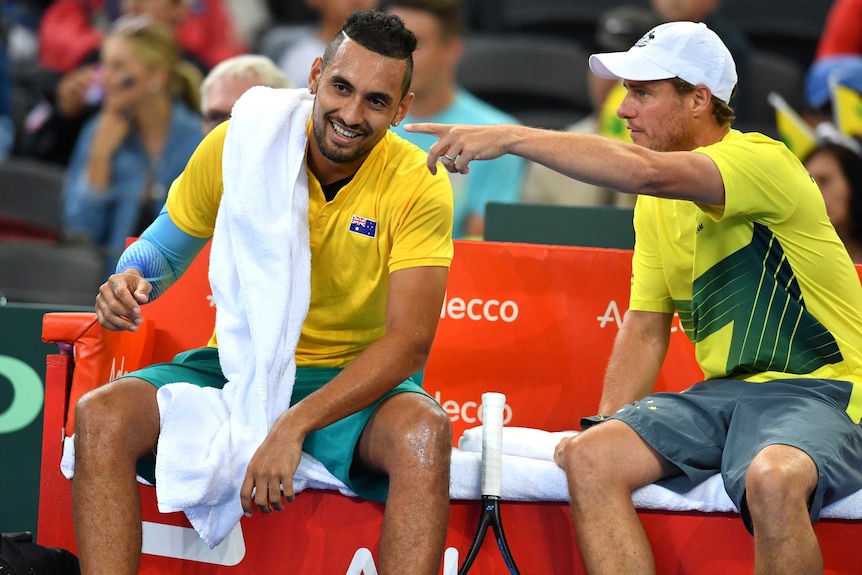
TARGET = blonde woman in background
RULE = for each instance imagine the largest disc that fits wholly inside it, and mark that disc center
(128, 154)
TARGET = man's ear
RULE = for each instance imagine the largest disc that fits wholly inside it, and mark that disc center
(314, 74)
(701, 98)
(403, 108)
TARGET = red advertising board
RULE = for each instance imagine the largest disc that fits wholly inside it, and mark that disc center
(534, 322)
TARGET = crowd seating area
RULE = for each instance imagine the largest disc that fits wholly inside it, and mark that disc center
(38, 264)
(527, 58)
(790, 27)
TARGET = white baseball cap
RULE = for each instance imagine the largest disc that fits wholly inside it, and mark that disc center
(686, 50)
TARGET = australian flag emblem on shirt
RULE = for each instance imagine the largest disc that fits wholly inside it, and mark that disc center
(364, 226)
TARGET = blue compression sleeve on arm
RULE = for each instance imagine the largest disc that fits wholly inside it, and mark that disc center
(162, 254)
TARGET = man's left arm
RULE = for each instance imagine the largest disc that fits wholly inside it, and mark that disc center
(589, 158)
(413, 305)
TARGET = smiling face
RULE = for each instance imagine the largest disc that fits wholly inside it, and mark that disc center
(358, 95)
(657, 116)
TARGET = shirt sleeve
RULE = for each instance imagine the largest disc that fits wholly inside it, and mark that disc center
(757, 183)
(194, 197)
(424, 233)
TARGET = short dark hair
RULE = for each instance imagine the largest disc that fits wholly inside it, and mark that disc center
(381, 33)
(448, 13)
(721, 110)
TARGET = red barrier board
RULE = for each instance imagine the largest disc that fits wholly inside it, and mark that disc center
(534, 322)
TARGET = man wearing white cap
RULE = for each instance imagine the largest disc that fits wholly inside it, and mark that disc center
(732, 234)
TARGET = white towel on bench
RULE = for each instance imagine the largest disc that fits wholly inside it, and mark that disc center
(529, 474)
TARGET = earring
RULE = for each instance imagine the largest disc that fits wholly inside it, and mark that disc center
(395, 124)
(311, 90)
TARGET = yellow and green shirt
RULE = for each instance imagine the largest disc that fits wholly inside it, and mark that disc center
(394, 214)
(763, 285)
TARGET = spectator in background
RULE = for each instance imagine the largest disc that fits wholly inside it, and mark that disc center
(838, 58)
(230, 79)
(70, 38)
(837, 63)
(836, 166)
(19, 27)
(250, 19)
(617, 30)
(290, 11)
(307, 42)
(819, 98)
(129, 153)
(842, 34)
(71, 31)
(437, 25)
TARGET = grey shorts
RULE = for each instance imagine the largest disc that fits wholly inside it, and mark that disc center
(333, 445)
(720, 425)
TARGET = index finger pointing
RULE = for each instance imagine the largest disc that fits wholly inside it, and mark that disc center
(427, 128)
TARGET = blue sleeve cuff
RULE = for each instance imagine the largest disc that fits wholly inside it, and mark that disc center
(162, 254)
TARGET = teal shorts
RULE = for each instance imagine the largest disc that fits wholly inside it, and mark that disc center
(718, 426)
(333, 445)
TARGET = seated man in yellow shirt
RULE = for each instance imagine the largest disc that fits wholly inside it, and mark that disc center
(380, 243)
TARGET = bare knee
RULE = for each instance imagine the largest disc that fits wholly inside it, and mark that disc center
(609, 458)
(410, 435)
(427, 438)
(575, 453)
(778, 478)
(584, 463)
(123, 413)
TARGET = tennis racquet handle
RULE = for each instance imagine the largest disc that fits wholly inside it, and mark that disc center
(492, 443)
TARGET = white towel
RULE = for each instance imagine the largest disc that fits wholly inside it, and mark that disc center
(260, 266)
(523, 478)
(522, 441)
(530, 475)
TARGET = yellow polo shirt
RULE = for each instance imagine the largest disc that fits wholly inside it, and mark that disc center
(391, 216)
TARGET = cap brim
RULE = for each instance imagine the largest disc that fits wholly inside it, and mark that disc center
(627, 66)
